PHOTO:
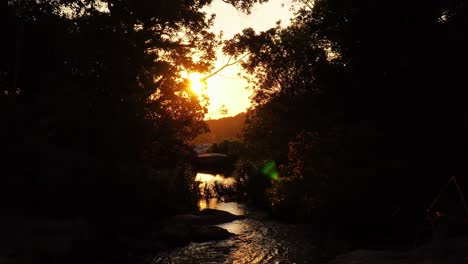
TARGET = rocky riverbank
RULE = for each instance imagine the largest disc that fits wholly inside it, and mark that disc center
(110, 240)
(197, 227)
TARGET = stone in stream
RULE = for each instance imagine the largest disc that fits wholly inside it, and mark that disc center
(209, 233)
(179, 234)
(198, 227)
(175, 234)
(207, 217)
(215, 217)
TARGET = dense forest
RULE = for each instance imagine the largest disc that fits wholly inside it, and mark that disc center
(92, 102)
(357, 120)
(96, 117)
(359, 107)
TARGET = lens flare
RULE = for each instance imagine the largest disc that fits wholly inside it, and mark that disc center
(271, 170)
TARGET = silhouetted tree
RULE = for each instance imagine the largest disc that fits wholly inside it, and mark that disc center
(95, 115)
(379, 77)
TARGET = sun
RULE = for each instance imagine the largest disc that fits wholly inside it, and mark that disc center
(197, 83)
(216, 93)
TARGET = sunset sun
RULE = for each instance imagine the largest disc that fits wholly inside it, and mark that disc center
(197, 84)
(219, 93)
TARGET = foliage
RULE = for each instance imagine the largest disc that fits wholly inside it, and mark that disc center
(244, 5)
(251, 183)
(232, 148)
(93, 106)
(360, 102)
(217, 189)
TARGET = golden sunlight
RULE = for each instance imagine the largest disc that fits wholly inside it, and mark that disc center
(220, 92)
(209, 178)
(197, 83)
(226, 89)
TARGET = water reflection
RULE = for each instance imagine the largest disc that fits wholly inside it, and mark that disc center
(235, 227)
(220, 204)
(258, 239)
(238, 226)
(204, 203)
(212, 186)
(210, 178)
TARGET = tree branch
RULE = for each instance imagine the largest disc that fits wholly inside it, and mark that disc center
(228, 64)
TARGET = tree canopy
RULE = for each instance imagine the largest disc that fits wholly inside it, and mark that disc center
(92, 97)
(359, 101)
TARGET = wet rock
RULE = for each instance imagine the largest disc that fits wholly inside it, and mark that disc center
(176, 234)
(180, 234)
(188, 219)
(197, 227)
(206, 217)
(213, 217)
(209, 233)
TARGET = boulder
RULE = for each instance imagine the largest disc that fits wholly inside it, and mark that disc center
(188, 219)
(206, 217)
(209, 233)
(214, 217)
(197, 227)
(176, 234)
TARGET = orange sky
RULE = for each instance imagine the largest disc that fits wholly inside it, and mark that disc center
(226, 88)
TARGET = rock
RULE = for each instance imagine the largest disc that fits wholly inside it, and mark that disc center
(188, 219)
(176, 234)
(213, 217)
(198, 227)
(209, 233)
(206, 217)
(180, 234)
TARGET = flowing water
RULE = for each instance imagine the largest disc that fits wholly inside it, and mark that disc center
(258, 239)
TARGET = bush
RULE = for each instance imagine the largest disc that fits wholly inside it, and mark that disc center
(251, 182)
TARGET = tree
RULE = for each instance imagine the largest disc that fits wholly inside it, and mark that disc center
(374, 75)
(93, 102)
(223, 110)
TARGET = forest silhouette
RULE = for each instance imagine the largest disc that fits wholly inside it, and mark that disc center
(359, 105)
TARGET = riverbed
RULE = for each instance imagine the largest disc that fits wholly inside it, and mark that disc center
(258, 239)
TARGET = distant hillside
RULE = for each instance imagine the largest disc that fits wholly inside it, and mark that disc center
(223, 128)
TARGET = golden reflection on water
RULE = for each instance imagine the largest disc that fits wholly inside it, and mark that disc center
(210, 178)
(258, 239)
(235, 227)
(207, 183)
(208, 203)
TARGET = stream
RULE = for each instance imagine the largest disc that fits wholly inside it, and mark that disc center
(258, 239)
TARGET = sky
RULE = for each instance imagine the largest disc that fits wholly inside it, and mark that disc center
(227, 88)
